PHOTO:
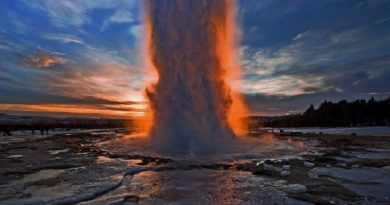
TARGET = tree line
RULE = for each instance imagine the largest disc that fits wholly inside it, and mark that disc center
(341, 114)
(43, 126)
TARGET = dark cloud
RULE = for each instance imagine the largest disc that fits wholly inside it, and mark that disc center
(282, 105)
(31, 96)
(43, 60)
(360, 79)
(301, 54)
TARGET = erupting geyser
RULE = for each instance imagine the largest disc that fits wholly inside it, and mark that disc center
(191, 46)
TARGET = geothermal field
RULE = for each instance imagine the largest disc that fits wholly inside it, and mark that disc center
(192, 139)
(110, 167)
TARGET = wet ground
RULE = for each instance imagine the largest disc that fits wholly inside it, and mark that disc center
(109, 167)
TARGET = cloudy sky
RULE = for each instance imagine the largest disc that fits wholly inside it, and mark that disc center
(84, 56)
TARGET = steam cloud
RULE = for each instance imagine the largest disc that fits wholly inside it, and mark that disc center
(191, 100)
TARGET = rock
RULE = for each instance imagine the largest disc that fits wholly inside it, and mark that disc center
(278, 169)
(127, 179)
(342, 164)
(355, 166)
(321, 171)
(326, 159)
(258, 163)
(286, 167)
(308, 164)
(328, 165)
(312, 175)
(262, 172)
(285, 173)
(131, 199)
(296, 188)
(386, 167)
(268, 167)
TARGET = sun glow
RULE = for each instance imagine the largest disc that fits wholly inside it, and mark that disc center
(227, 51)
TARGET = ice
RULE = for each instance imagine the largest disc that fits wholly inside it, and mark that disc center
(278, 169)
(268, 167)
(296, 188)
(369, 182)
(308, 164)
(40, 175)
(312, 175)
(61, 186)
(321, 171)
(58, 151)
(286, 167)
(365, 154)
(285, 173)
(15, 156)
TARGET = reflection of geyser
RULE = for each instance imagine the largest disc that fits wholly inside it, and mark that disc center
(189, 47)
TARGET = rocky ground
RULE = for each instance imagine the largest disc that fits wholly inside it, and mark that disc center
(104, 168)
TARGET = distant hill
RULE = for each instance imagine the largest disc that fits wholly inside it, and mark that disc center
(16, 122)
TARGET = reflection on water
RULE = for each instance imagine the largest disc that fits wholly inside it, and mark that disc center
(204, 187)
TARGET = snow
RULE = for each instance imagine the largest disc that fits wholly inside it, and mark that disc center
(363, 131)
(58, 151)
(308, 164)
(372, 183)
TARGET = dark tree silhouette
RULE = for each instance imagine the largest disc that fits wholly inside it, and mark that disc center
(341, 114)
(43, 125)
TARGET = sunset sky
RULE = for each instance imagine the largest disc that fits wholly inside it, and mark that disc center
(83, 57)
